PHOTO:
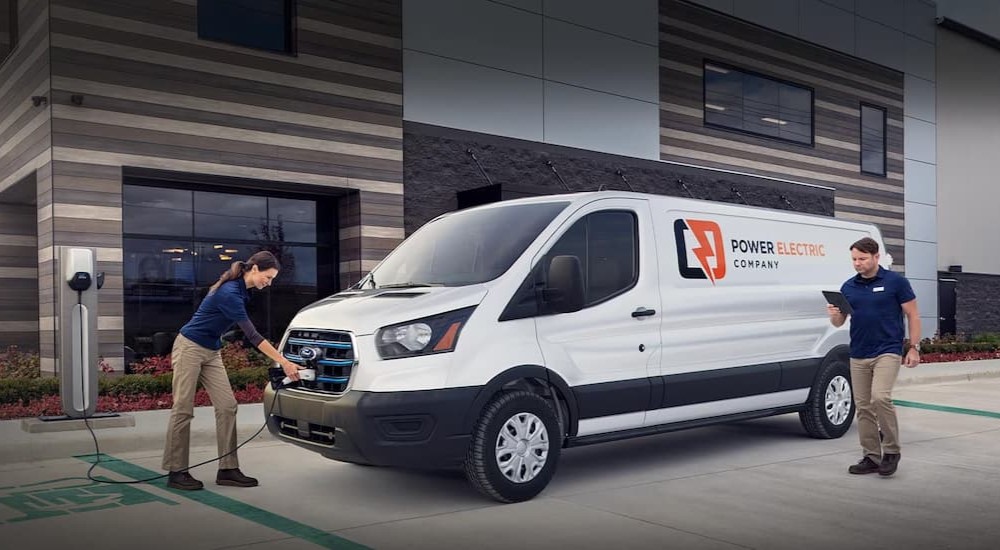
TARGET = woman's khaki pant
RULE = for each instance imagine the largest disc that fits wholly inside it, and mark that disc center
(192, 364)
(872, 381)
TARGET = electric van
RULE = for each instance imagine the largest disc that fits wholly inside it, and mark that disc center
(494, 337)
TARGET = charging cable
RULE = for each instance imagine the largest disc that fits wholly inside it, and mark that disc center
(97, 450)
(305, 373)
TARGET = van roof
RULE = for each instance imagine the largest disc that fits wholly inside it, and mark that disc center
(679, 203)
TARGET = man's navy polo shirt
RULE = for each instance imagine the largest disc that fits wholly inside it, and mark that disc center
(217, 312)
(877, 321)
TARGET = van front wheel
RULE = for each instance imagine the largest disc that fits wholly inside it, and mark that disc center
(830, 410)
(515, 447)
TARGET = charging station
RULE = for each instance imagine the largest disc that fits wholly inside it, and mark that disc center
(77, 356)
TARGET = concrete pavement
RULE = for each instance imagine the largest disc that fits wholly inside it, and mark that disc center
(150, 426)
(759, 485)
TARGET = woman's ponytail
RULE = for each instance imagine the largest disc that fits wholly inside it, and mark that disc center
(264, 260)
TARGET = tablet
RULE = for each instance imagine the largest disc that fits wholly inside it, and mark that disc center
(839, 300)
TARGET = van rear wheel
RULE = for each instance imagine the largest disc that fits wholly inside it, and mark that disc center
(830, 410)
(515, 447)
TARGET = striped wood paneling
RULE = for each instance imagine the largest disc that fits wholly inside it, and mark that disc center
(157, 97)
(24, 149)
(689, 35)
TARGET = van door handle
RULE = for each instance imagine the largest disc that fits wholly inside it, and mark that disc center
(643, 312)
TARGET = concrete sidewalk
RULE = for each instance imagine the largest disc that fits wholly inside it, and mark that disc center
(147, 435)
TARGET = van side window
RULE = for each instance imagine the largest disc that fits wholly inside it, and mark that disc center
(607, 244)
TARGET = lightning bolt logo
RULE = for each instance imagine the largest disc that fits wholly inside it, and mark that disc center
(708, 247)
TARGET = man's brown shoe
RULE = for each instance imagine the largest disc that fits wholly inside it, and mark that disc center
(889, 464)
(233, 477)
(864, 466)
(184, 481)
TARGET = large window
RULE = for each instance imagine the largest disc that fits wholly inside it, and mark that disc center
(873, 140)
(756, 104)
(178, 241)
(8, 28)
(262, 24)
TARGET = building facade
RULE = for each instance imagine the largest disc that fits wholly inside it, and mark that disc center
(178, 136)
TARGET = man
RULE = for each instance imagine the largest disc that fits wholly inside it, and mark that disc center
(879, 298)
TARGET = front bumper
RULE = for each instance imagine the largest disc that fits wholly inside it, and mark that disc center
(413, 429)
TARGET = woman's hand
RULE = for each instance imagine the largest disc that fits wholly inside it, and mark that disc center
(291, 369)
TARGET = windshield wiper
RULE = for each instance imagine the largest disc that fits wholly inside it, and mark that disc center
(409, 285)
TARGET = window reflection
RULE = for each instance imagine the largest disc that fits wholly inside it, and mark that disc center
(166, 277)
(756, 104)
(228, 216)
(873, 140)
(292, 219)
(263, 24)
(156, 211)
(158, 292)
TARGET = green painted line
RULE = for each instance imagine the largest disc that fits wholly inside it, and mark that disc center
(944, 408)
(240, 509)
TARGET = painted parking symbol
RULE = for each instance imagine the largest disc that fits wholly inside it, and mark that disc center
(67, 496)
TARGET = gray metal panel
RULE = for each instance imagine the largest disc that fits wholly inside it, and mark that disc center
(600, 122)
(597, 61)
(475, 31)
(462, 95)
(826, 25)
(635, 20)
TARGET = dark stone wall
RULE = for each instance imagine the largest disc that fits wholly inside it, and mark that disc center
(436, 166)
(977, 303)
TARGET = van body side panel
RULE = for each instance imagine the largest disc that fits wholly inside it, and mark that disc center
(604, 352)
(610, 398)
(799, 373)
(720, 384)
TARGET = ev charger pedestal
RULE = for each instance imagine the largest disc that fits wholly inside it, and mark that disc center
(76, 363)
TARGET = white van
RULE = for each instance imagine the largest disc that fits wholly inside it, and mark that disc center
(494, 337)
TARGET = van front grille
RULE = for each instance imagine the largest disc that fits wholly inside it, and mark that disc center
(334, 353)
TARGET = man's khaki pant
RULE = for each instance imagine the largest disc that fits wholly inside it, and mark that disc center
(872, 381)
(192, 364)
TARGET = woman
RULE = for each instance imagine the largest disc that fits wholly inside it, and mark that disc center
(195, 357)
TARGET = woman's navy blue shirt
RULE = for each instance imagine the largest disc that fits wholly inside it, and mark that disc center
(877, 321)
(218, 312)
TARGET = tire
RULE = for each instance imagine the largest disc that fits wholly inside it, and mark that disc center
(518, 473)
(830, 410)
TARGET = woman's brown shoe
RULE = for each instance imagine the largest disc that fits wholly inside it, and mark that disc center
(184, 481)
(233, 477)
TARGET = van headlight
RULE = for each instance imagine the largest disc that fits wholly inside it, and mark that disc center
(436, 334)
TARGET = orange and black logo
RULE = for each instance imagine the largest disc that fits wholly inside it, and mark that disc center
(707, 248)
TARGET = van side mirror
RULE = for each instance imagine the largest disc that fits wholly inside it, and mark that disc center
(563, 292)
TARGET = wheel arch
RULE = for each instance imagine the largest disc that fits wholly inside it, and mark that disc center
(534, 378)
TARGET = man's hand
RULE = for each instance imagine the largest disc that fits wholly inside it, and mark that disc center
(836, 317)
(912, 358)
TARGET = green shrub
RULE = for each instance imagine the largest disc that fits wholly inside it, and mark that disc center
(251, 376)
(15, 363)
(24, 390)
(137, 384)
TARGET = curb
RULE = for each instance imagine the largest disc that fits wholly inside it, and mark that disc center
(147, 435)
(937, 378)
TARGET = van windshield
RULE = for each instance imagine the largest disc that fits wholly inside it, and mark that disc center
(464, 248)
